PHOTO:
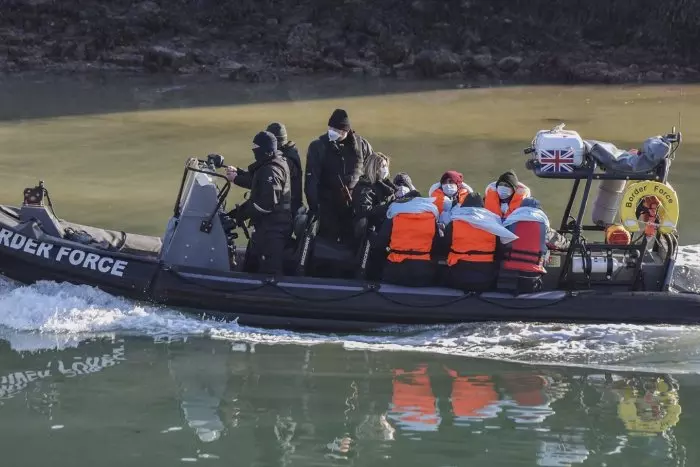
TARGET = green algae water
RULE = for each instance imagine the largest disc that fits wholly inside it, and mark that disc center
(89, 379)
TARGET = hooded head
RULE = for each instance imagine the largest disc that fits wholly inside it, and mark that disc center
(456, 177)
(531, 203)
(280, 132)
(338, 125)
(402, 179)
(506, 184)
(473, 200)
(265, 146)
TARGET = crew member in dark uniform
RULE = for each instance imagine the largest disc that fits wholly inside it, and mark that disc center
(291, 154)
(268, 207)
(334, 164)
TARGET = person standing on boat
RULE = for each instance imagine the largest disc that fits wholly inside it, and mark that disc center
(291, 154)
(472, 235)
(244, 179)
(269, 206)
(334, 165)
(451, 191)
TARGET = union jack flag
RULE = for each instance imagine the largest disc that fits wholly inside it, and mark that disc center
(557, 160)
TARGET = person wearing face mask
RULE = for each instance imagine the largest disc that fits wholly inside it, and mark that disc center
(449, 192)
(334, 164)
(505, 194)
(374, 192)
(268, 207)
(472, 235)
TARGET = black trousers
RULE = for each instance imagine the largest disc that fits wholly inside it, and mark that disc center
(267, 245)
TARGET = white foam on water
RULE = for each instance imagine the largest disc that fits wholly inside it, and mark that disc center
(50, 315)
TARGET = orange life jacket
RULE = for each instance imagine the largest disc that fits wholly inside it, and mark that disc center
(413, 229)
(412, 236)
(493, 203)
(412, 397)
(472, 395)
(470, 244)
(439, 195)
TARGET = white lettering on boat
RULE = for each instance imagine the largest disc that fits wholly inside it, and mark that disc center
(72, 256)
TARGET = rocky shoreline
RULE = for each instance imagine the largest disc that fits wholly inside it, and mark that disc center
(480, 41)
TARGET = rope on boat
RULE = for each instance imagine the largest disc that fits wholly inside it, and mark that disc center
(369, 290)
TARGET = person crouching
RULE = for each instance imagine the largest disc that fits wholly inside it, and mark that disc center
(522, 266)
(472, 235)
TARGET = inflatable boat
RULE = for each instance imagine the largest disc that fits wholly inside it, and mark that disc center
(197, 265)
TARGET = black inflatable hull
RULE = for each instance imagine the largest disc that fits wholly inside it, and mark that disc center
(317, 304)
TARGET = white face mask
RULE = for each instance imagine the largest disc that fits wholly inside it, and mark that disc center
(384, 172)
(333, 135)
(450, 189)
(504, 192)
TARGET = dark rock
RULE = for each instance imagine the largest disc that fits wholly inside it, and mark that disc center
(302, 45)
(509, 64)
(356, 63)
(482, 61)
(433, 63)
(124, 59)
(653, 76)
(158, 58)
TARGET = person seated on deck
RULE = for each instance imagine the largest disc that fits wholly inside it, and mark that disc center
(506, 194)
(404, 184)
(472, 236)
(449, 192)
(410, 235)
(269, 206)
(522, 264)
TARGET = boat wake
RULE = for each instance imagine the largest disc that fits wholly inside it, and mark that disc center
(48, 315)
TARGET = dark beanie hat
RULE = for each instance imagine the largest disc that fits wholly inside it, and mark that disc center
(531, 203)
(265, 144)
(280, 132)
(402, 179)
(473, 200)
(508, 178)
(339, 120)
(454, 175)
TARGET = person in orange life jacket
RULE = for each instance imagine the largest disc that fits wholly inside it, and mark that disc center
(409, 234)
(334, 164)
(449, 192)
(472, 236)
(378, 254)
(522, 265)
(505, 194)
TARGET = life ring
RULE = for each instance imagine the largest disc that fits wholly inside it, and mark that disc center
(636, 192)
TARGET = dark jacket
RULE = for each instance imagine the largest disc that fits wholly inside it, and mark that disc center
(330, 163)
(291, 154)
(372, 201)
(244, 179)
(270, 192)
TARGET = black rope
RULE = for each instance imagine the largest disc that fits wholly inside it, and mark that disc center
(272, 283)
